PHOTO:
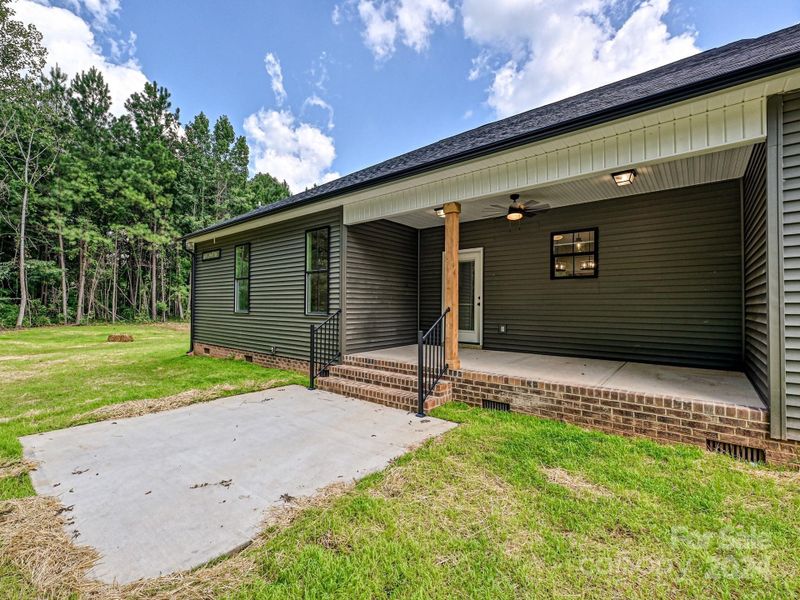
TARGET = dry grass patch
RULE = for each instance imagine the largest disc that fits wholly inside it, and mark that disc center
(33, 539)
(17, 375)
(136, 408)
(16, 468)
(575, 483)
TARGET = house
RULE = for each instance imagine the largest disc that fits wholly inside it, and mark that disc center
(626, 259)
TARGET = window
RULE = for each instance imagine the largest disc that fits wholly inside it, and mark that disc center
(317, 253)
(212, 254)
(241, 285)
(573, 254)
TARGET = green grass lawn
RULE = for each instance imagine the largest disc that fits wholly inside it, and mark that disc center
(51, 377)
(511, 506)
(503, 506)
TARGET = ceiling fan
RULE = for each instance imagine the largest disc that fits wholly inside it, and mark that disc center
(517, 210)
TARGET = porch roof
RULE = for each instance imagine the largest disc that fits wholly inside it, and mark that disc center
(705, 385)
(729, 65)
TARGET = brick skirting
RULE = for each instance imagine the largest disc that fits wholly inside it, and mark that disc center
(270, 361)
(662, 418)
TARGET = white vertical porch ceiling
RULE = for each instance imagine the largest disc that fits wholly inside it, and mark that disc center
(682, 172)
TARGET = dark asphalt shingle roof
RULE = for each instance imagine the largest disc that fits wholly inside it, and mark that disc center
(704, 72)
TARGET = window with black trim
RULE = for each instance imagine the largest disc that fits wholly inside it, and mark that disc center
(317, 270)
(241, 286)
(573, 254)
(212, 254)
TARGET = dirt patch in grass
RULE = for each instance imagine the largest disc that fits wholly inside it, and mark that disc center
(575, 483)
(136, 408)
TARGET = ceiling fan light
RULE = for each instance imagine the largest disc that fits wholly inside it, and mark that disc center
(624, 177)
(515, 213)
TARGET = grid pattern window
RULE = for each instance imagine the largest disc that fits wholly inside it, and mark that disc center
(241, 286)
(317, 270)
(573, 254)
(212, 254)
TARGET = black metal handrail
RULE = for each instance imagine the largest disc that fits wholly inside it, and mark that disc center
(324, 347)
(431, 363)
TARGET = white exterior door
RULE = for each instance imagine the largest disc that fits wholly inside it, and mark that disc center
(470, 295)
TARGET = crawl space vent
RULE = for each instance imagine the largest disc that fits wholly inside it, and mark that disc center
(206, 350)
(248, 357)
(492, 405)
(745, 453)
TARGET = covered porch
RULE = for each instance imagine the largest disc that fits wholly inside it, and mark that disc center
(615, 278)
(689, 383)
(634, 307)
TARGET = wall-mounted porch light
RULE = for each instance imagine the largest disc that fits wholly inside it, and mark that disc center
(624, 177)
(439, 211)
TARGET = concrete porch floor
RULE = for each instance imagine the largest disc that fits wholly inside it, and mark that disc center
(709, 385)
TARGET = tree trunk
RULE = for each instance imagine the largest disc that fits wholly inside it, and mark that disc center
(63, 264)
(114, 271)
(23, 276)
(163, 290)
(153, 281)
(81, 281)
(93, 289)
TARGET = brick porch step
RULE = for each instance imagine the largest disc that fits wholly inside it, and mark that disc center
(393, 366)
(390, 379)
(380, 394)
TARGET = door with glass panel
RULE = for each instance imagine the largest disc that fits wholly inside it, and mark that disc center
(470, 295)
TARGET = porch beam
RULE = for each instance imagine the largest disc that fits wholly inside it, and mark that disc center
(452, 213)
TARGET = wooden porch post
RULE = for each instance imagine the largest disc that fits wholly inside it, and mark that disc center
(452, 210)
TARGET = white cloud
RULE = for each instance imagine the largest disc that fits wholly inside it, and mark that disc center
(416, 19)
(319, 103)
(275, 73)
(546, 51)
(386, 21)
(534, 51)
(380, 30)
(72, 46)
(102, 11)
(293, 151)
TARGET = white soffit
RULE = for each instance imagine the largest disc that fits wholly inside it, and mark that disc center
(684, 172)
(727, 119)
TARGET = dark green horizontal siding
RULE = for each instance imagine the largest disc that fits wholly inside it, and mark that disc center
(754, 217)
(669, 285)
(381, 286)
(789, 167)
(277, 288)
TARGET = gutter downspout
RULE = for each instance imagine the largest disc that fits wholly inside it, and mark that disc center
(191, 295)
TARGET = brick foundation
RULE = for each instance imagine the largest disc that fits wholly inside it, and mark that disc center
(662, 418)
(271, 361)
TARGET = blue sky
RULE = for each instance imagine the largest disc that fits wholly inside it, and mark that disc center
(364, 80)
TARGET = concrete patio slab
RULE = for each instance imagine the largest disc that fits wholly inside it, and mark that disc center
(168, 491)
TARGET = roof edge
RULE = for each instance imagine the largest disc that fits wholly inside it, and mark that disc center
(659, 100)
